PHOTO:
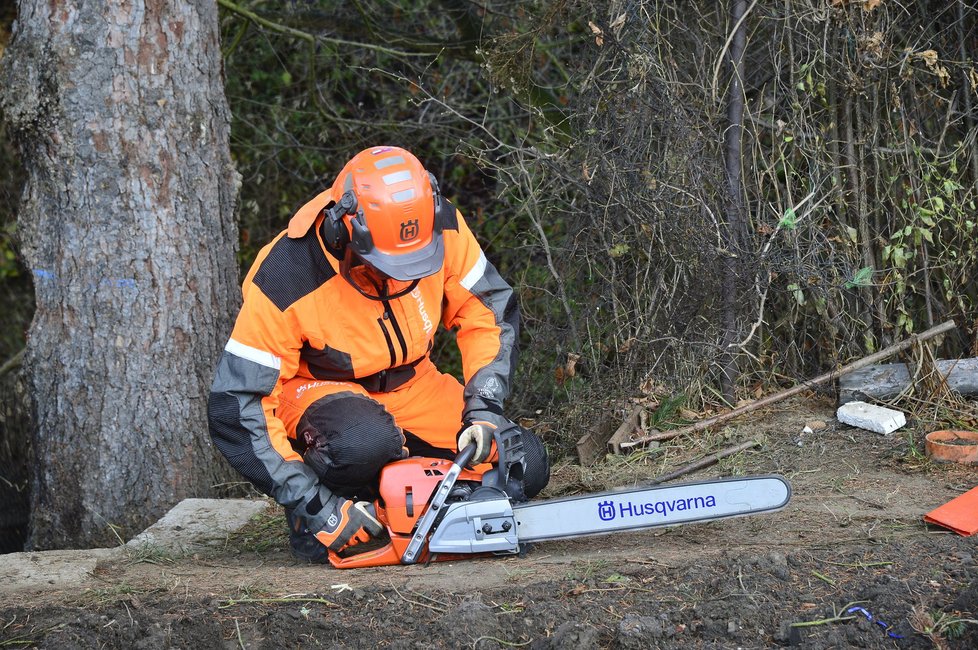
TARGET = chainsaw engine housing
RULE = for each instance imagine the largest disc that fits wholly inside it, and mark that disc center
(406, 487)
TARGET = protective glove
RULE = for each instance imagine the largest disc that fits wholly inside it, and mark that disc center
(350, 523)
(484, 416)
(479, 434)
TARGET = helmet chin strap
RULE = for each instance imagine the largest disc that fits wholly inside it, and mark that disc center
(347, 264)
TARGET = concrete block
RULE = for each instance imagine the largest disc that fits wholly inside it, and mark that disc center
(38, 571)
(198, 523)
(871, 417)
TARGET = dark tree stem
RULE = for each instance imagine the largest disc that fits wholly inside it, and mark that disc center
(735, 218)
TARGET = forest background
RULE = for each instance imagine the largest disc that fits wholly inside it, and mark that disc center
(697, 202)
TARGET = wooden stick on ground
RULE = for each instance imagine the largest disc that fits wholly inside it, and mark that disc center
(706, 461)
(620, 444)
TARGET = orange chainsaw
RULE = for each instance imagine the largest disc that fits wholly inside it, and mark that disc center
(436, 509)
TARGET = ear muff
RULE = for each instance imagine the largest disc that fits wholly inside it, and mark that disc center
(436, 197)
(335, 233)
(435, 192)
(363, 241)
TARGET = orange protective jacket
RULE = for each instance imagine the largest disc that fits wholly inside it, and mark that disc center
(301, 318)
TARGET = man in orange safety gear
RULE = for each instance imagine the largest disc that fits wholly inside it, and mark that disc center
(326, 377)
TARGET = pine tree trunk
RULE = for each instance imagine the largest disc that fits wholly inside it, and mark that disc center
(127, 224)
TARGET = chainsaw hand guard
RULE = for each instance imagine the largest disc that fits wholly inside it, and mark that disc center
(508, 474)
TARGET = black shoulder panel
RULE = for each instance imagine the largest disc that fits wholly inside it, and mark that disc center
(294, 268)
(446, 217)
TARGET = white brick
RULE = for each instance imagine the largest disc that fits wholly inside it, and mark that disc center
(871, 417)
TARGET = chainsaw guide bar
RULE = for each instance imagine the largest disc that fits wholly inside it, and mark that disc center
(497, 526)
(641, 508)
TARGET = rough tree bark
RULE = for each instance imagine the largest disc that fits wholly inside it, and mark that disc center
(119, 111)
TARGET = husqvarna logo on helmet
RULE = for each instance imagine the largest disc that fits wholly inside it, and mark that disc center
(606, 510)
(409, 230)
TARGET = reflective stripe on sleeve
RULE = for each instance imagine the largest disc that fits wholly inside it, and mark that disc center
(260, 357)
(476, 273)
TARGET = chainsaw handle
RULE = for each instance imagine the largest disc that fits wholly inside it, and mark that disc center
(465, 455)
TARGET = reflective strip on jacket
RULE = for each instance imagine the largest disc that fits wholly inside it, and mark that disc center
(301, 318)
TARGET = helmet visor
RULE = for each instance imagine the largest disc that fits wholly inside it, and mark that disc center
(408, 266)
(370, 282)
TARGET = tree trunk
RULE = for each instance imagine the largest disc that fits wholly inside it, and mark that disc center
(732, 265)
(128, 227)
(966, 89)
(858, 202)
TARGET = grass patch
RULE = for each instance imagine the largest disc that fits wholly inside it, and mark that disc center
(151, 554)
(264, 532)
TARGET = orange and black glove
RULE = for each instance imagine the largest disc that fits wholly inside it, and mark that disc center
(349, 523)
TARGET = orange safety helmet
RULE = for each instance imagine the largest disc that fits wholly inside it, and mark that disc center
(392, 224)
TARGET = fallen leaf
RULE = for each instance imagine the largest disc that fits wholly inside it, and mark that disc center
(598, 33)
(928, 56)
(617, 23)
(653, 388)
(872, 45)
(568, 370)
(570, 366)
(869, 5)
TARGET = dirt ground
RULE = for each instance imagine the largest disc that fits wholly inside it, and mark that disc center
(849, 563)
